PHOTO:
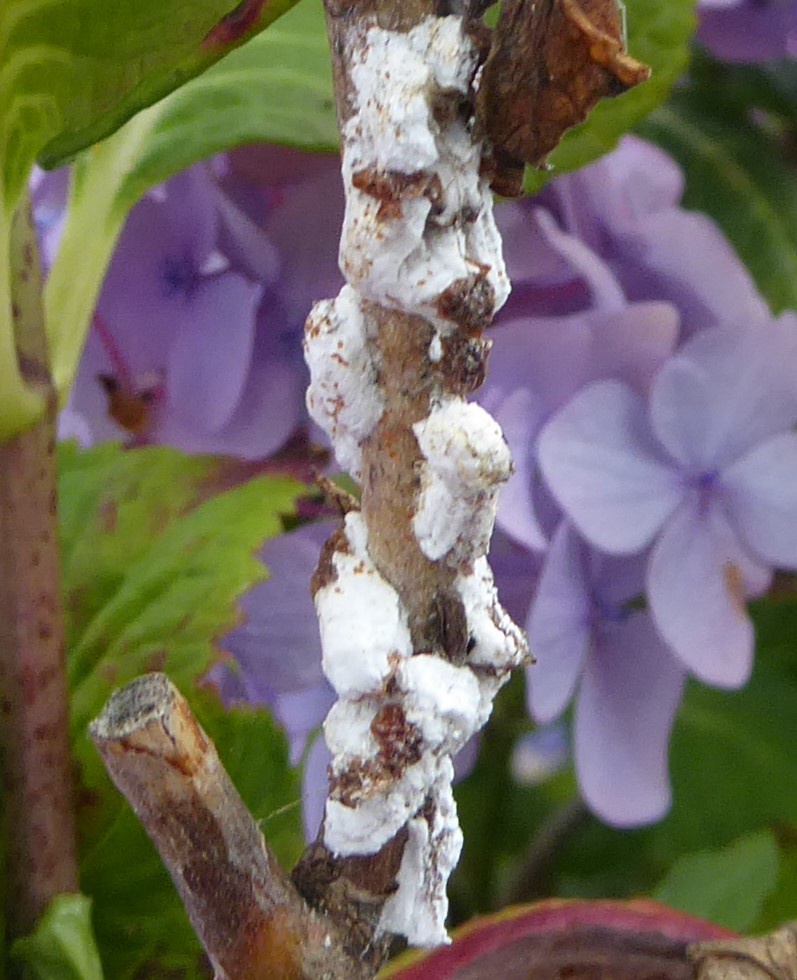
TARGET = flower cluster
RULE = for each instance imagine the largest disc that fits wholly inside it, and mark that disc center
(196, 338)
(645, 390)
(648, 397)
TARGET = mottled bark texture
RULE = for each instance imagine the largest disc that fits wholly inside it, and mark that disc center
(428, 351)
(249, 917)
(34, 728)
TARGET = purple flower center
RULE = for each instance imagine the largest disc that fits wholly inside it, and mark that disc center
(604, 612)
(179, 275)
(704, 486)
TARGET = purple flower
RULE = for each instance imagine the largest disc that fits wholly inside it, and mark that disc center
(613, 233)
(587, 636)
(588, 257)
(277, 655)
(705, 469)
(537, 365)
(196, 341)
(277, 649)
(749, 30)
(585, 376)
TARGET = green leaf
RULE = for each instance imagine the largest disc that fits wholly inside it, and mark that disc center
(733, 763)
(276, 88)
(728, 886)
(768, 86)
(735, 172)
(781, 903)
(775, 619)
(154, 558)
(75, 70)
(62, 946)
(659, 35)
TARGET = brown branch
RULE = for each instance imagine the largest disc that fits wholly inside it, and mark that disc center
(34, 724)
(249, 917)
(354, 889)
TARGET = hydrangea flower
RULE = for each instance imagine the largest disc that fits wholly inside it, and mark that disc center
(196, 341)
(613, 233)
(588, 637)
(705, 469)
(614, 280)
(611, 276)
(749, 30)
(538, 364)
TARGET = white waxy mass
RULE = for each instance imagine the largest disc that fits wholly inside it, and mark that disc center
(418, 228)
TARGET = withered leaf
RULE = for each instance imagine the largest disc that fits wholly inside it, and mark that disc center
(550, 62)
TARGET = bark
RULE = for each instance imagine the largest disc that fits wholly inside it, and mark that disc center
(249, 917)
(34, 726)
(391, 361)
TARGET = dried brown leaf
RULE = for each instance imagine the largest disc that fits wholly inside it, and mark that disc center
(550, 62)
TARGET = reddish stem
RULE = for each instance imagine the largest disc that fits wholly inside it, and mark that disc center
(118, 363)
(34, 719)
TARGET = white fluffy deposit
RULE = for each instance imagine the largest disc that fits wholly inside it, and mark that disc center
(418, 222)
(406, 263)
(343, 396)
(466, 462)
